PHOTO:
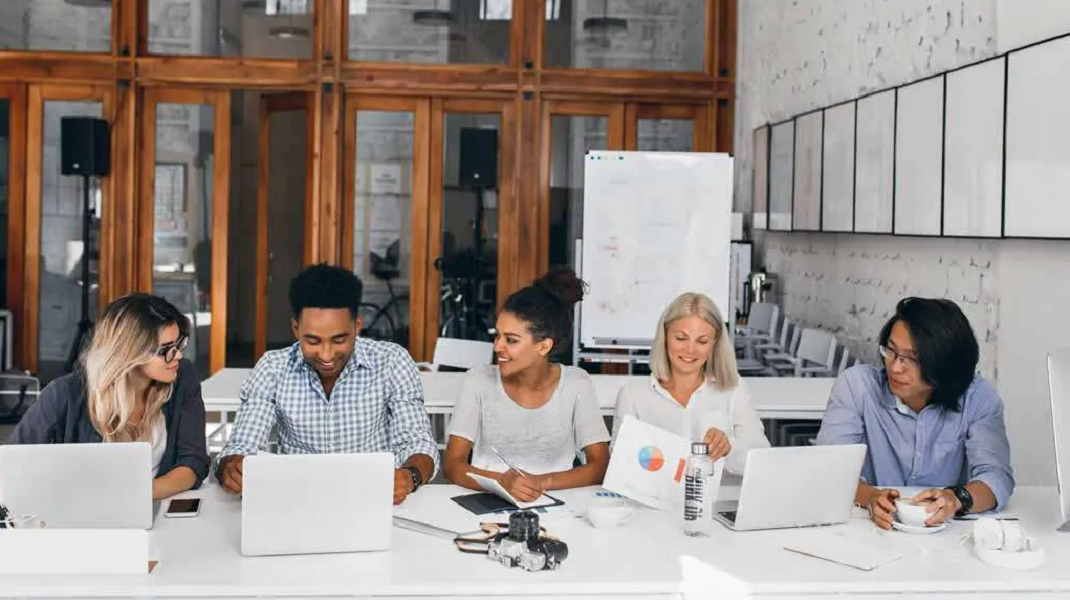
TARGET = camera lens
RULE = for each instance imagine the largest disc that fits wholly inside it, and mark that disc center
(523, 526)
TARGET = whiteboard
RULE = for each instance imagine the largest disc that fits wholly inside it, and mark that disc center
(1038, 156)
(875, 163)
(919, 152)
(781, 173)
(806, 204)
(655, 224)
(838, 181)
(973, 149)
(760, 187)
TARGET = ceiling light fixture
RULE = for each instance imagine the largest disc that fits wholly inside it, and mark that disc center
(289, 31)
(605, 23)
(435, 17)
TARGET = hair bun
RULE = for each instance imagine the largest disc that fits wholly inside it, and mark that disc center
(562, 283)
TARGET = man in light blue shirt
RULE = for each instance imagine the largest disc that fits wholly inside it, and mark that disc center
(927, 418)
(333, 391)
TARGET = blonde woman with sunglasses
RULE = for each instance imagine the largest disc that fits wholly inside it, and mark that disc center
(132, 386)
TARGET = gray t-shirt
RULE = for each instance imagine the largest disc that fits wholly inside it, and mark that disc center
(540, 440)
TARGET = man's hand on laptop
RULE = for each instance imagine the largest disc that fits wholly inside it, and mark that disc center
(717, 443)
(230, 473)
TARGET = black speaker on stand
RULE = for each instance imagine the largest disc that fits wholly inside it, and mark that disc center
(479, 171)
(85, 150)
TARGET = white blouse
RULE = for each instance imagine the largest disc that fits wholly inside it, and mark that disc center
(728, 410)
(159, 444)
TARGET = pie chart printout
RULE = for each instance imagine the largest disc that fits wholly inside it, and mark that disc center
(651, 458)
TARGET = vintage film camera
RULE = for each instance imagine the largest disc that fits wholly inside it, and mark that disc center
(524, 546)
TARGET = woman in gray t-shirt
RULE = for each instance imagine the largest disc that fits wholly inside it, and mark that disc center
(536, 414)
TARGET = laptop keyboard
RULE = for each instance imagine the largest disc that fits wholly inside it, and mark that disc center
(730, 515)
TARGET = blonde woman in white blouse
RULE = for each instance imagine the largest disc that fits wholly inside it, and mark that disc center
(694, 389)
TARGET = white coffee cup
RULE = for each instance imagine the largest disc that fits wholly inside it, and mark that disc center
(910, 513)
(608, 512)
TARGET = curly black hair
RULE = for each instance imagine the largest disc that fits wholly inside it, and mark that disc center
(325, 286)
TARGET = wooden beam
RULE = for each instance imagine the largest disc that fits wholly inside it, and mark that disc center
(61, 67)
(627, 85)
(431, 305)
(146, 181)
(230, 73)
(217, 355)
(509, 211)
(727, 35)
(384, 78)
(263, 182)
(330, 226)
(533, 208)
(16, 198)
(32, 234)
(420, 293)
(712, 42)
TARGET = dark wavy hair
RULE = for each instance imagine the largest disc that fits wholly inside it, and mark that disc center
(945, 344)
(546, 306)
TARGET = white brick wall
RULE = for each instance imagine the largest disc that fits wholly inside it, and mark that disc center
(800, 55)
(849, 284)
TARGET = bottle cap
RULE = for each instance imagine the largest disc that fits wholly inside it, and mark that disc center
(699, 448)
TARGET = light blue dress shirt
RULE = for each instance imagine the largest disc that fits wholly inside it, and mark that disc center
(931, 448)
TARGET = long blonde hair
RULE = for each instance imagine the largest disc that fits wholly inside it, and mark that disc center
(127, 337)
(720, 367)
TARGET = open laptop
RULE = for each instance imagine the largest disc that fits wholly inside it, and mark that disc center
(316, 503)
(79, 486)
(1059, 391)
(796, 487)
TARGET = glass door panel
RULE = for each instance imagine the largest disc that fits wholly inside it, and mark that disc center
(283, 200)
(188, 143)
(469, 226)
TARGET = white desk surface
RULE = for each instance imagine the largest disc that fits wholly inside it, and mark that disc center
(648, 557)
(773, 397)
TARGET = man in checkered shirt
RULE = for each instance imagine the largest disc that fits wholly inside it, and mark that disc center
(333, 391)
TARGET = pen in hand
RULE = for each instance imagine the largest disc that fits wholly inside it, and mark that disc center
(509, 464)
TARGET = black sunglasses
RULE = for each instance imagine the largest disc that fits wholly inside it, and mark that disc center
(169, 351)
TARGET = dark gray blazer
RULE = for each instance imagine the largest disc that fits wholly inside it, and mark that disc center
(61, 416)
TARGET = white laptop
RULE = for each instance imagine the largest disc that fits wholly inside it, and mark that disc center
(84, 486)
(1059, 390)
(316, 503)
(796, 487)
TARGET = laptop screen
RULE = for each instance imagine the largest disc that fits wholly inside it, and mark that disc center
(1059, 388)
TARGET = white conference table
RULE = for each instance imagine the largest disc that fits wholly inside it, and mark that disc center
(649, 557)
(773, 397)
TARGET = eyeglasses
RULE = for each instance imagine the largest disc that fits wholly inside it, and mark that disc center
(168, 352)
(908, 362)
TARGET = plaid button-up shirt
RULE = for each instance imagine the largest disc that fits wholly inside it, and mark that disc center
(376, 405)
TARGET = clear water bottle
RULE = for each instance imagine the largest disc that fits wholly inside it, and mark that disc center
(698, 497)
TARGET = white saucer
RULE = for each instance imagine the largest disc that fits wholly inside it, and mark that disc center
(918, 529)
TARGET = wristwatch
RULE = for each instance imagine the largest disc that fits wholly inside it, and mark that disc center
(964, 497)
(417, 477)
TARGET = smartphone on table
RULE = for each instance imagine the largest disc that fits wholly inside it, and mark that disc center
(183, 507)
